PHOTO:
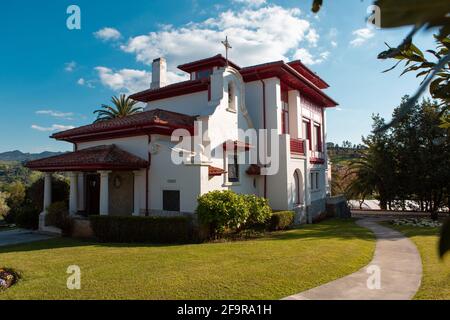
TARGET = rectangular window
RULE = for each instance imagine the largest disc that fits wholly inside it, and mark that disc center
(285, 112)
(317, 181)
(233, 168)
(171, 200)
(203, 74)
(307, 132)
(312, 181)
(317, 138)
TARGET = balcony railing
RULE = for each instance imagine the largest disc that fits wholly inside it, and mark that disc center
(298, 146)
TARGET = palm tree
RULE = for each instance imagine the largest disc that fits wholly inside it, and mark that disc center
(123, 106)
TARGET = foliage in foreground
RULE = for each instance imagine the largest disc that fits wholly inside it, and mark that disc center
(226, 210)
(410, 161)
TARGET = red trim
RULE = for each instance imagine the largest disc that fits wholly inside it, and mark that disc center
(291, 77)
(208, 63)
(316, 161)
(308, 74)
(174, 90)
(310, 134)
(298, 146)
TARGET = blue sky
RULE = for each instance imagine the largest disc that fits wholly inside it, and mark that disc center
(53, 78)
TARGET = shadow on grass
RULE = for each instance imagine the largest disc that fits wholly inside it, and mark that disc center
(330, 229)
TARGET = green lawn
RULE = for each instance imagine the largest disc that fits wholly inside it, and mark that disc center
(436, 273)
(273, 267)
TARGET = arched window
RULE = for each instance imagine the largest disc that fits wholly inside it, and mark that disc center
(231, 97)
(297, 188)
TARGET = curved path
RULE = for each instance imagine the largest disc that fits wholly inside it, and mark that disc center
(400, 267)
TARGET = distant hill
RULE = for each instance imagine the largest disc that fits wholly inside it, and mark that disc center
(22, 157)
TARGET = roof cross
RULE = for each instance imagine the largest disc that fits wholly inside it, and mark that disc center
(228, 46)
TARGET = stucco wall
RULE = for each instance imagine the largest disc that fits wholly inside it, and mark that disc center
(121, 198)
(134, 145)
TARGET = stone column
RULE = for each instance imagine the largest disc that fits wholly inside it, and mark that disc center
(47, 198)
(104, 192)
(81, 192)
(73, 198)
(138, 190)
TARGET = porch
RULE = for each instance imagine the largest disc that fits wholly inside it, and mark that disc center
(104, 180)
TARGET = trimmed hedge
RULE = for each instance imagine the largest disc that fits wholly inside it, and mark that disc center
(58, 216)
(142, 229)
(281, 220)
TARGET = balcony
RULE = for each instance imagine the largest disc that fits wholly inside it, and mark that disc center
(297, 146)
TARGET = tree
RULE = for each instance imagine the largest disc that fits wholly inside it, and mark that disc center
(4, 209)
(123, 106)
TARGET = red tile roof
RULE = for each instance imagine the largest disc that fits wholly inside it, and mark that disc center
(108, 157)
(172, 90)
(215, 61)
(214, 171)
(154, 121)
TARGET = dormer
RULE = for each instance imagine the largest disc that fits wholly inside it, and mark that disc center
(203, 69)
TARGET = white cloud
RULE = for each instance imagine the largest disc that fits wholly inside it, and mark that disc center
(70, 66)
(361, 36)
(107, 34)
(257, 36)
(251, 3)
(312, 37)
(87, 83)
(55, 127)
(125, 79)
(307, 58)
(56, 114)
(334, 44)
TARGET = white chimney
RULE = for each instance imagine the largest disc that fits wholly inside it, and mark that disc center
(159, 73)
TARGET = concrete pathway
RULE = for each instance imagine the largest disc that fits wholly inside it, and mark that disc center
(18, 236)
(400, 268)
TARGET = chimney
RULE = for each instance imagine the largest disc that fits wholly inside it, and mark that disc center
(159, 73)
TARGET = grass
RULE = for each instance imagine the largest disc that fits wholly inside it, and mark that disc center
(436, 272)
(273, 267)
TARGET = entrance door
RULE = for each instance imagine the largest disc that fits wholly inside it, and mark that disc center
(93, 194)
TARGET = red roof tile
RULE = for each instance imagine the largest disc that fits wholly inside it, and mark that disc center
(108, 157)
(159, 121)
(214, 171)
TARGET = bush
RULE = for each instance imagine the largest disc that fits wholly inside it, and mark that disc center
(58, 216)
(222, 210)
(60, 192)
(27, 217)
(281, 220)
(142, 229)
(260, 210)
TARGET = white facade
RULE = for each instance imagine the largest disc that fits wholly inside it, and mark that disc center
(300, 183)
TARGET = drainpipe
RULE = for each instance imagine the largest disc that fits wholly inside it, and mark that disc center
(264, 127)
(147, 171)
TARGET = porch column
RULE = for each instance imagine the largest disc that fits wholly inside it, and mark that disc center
(47, 198)
(81, 192)
(73, 199)
(104, 192)
(138, 189)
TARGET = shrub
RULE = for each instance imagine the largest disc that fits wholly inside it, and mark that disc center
(142, 229)
(58, 216)
(259, 208)
(222, 210)
(60, 192)
(27, 216)
(281, 220)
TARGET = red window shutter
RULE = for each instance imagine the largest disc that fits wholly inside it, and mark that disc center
(319, 139)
